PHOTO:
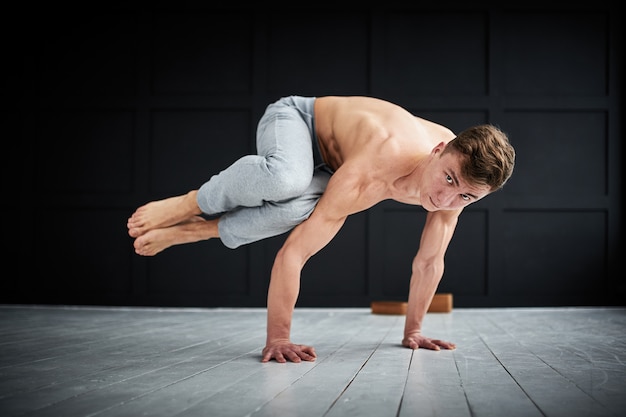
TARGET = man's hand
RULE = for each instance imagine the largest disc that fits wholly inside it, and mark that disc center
(418, 341)
(283, 351)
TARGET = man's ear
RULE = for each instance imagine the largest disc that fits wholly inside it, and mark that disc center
(440, 147)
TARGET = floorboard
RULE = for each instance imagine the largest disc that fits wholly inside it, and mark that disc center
(79, 361)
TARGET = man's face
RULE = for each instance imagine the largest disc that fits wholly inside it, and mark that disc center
(445, 188)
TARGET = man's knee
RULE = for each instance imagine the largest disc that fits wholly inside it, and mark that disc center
(288, 183)
(296, 213)
(249, 225)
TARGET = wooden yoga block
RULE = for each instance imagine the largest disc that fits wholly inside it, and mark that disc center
(441, 303)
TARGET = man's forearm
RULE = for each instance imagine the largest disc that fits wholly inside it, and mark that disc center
(281, 299)
(424, 282)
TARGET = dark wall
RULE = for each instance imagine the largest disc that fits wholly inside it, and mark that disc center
(109, 107)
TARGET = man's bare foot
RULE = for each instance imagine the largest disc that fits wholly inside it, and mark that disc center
(163, 213)
(189, 231)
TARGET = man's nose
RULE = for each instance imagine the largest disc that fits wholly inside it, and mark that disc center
(446, 199)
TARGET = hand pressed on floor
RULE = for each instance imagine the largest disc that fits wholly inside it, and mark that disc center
(287, 351)
(419, 341)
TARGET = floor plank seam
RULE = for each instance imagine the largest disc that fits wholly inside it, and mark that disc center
(149, 392)
(406, 381)
(526, 393)
(467, 401)
(358, 371)
(539, 358)
(316, 363)
(130, 378)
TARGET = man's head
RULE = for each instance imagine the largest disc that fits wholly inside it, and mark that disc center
(489, 157)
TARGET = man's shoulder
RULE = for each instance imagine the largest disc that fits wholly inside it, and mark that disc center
(434, 129)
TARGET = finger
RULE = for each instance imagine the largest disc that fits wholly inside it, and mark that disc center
(445, 345)
(310, 350)
(409, 343)
(307, 352)
(293, 357)
(305, 356)
(430, 345)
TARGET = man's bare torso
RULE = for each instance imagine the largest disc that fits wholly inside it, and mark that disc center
(381, 140)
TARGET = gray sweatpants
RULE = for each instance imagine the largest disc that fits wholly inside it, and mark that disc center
(267, 194)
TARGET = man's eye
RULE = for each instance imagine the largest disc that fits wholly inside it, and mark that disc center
(465, 197)
(449, 179)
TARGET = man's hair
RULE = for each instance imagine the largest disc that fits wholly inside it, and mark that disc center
(490, 157)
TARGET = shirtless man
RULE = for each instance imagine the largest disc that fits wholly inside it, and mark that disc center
(320, 160)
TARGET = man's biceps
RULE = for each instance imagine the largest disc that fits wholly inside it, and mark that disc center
(321, 228)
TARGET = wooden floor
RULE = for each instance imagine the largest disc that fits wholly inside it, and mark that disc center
(66, 361)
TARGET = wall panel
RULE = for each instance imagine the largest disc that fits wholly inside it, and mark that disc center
(555, 253)
(94, 53)
(317, 53)
(440, 53)
(201, 52)
(188, 146)
(555, 53)
(84, 151)
(204, 272)
(68, 264)
(560, 152)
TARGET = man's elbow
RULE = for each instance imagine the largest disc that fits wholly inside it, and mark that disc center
(432, 266)
(290, 255)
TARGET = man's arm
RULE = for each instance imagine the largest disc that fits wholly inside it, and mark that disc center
(303, 242)
(338, 201)
(427, 271)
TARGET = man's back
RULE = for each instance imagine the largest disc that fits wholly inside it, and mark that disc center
(351, 126)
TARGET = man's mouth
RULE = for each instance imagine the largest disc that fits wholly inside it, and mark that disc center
(432, 202)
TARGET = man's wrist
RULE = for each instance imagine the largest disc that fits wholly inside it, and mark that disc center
(412, 333)
(277, 340)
